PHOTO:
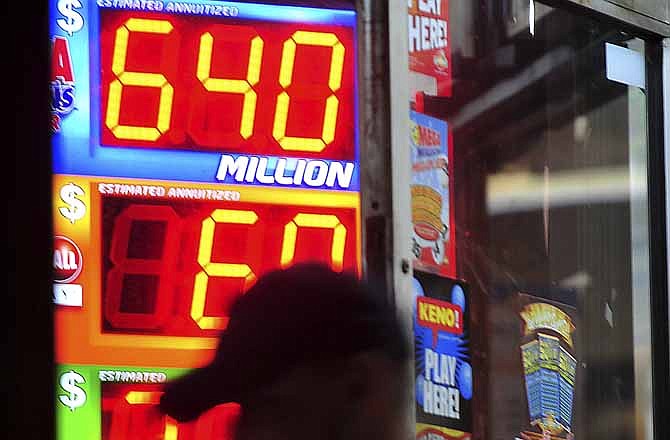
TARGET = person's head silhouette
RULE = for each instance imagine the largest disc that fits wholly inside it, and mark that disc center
(307, 353)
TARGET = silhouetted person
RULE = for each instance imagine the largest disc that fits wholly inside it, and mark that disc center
(308, 354)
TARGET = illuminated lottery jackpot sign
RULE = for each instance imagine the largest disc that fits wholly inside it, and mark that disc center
(197, 145)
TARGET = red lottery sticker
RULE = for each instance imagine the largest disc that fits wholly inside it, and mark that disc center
(67, 260)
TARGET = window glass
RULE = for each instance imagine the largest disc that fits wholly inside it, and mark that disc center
(547, 117)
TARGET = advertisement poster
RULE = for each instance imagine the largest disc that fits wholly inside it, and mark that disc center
(433, 238)
(549, 360)
(429, 48)
(444, 387)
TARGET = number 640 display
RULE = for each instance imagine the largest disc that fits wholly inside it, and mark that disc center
(244, 87)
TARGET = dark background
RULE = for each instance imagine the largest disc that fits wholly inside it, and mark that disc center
(29, 327)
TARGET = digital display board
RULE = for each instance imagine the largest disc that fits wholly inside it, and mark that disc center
(119, 403)
(202, 91)
(245, 85)
(196, 145)
(164, 260)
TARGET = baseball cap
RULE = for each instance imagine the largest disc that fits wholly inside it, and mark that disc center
(304, 313)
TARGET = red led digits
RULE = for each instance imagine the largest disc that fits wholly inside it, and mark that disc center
(258, 87)
(213, 134)
(127, 78)
(287, 68)
(218, 423)
(135, 416)
(176, 269)
(214, 269)
(314, 221)
(130, 412)
(133, 275)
